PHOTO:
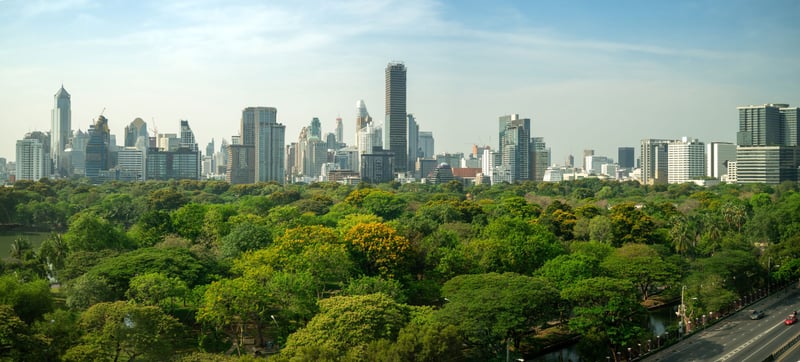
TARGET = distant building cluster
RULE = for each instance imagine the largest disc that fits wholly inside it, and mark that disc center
(766, 151)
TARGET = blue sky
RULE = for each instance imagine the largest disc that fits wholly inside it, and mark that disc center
(589, 74)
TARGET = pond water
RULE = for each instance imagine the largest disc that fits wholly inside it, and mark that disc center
(658, 320)
(7, 237)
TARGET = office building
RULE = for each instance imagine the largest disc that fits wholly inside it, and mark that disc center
(362, 119)
(339, 132)
(760, 125)
(625, 158)
(377, 166)
(396, 122)
(768, 144)
(718, 155)
(316, 128)
(60, 131)
(241, 164)
(369, 138)
(540, 158)
(413, 141)
(131, 162)
(766, 164)
(426, 144)
(261, 130)
(515, 148)
(686, 160)
(136, 129)
(655, 156)
(98, 153)
(181, 164)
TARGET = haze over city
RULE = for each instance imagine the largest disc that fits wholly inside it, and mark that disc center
(588, 75)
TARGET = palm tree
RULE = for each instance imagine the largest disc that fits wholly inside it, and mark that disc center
(20, 247)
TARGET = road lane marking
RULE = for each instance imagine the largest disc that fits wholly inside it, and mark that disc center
(745, 344)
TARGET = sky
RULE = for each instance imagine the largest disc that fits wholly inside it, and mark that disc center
(589, 74)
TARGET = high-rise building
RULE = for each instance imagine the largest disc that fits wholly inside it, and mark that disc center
(131, 160)
(718, 155)
(339, 131)
(136, 129)
(655, 166)
(790, 126)
(377, 166)
(625, 157)
(587, 153)
(369, 138)
(60, 131)
(413, 142)
(330, 141)
(515, 148)
(181, 164)
(426, 144)
(760, 125)
(686, 160)
(261, 130)
(241, 160)
(766, 164)
(98, 154)
(31, 160)
(396, 122)
(316, 128)
(188, 142)
(187, 137)
(540, 158)
(362, 119)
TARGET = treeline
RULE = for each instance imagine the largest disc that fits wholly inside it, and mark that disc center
(206, 271)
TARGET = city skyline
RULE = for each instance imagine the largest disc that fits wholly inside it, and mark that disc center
(590, 76)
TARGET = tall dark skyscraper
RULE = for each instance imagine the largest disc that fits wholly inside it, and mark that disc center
(60, 130)
(98, 157)
(396, 123)
(625, 157)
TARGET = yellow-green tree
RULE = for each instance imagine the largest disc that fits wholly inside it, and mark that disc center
(378, 249)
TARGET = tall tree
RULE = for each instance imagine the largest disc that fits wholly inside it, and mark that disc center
(121, 330)
(607, 312)
(493, 310)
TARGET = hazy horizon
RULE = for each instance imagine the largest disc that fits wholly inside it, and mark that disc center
(589, 75)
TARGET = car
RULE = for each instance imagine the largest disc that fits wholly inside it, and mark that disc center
(791, 319)
(756, 314)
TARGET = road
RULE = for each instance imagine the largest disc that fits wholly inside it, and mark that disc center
(737, 338)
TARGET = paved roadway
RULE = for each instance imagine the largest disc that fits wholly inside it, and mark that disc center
(737, 338)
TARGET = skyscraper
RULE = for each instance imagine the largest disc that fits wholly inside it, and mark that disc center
(625, 157)
(316, 128)
(515, 148)
(187, 136)
(339, 131)
(137, 128)
(362, 119)
(396, 122)
(98, 155)
(426, 144)
(655, 164)
(413, 142)
(760, 125)
(269, 142)
(768, 149)
(60, 130)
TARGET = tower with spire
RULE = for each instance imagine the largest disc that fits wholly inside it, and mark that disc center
(60, 130)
